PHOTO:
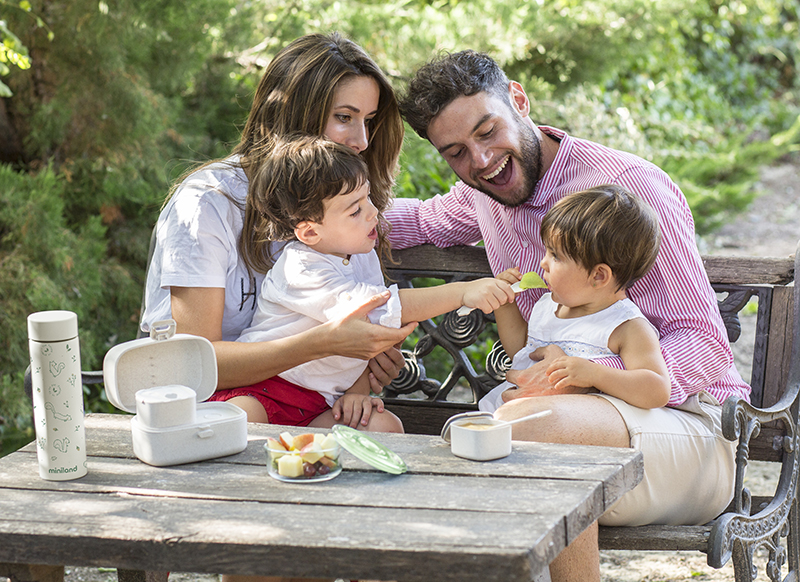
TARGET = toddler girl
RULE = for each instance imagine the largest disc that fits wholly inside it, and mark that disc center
(598, 242)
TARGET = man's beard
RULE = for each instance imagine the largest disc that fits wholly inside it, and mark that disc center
(529, 163)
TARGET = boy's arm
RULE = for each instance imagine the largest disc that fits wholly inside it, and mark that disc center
(645, 380)
(424, 303)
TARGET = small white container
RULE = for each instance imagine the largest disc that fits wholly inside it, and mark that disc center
(165, 380)
(477, 436)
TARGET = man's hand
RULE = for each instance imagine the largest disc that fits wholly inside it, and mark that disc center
(352, 408)
(535, 380)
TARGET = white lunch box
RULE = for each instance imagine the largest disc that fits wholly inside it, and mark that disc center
(164, 379)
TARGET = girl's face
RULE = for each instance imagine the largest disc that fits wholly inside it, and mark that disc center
(569, 281)
(349, 224)
(355, 104)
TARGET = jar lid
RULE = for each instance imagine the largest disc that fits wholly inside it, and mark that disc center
(472, 415)
(369, 450)
(52, 326)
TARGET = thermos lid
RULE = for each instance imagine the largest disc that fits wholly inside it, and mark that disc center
(52, 326)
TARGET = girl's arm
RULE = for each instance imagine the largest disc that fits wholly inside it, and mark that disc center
(424, 303)
(198, 311)
(644, 382)
(511, 326)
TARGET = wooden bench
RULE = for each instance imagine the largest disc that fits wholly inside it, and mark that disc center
(766, 429)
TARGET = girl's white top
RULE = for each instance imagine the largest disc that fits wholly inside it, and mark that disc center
(197, 246)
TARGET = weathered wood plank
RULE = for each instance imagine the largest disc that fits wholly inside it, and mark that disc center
(720, 269)
(779, 347)
(655, 537)
(217, 536)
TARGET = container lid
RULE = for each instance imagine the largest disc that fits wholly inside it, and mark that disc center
(52, 326)
(475, 414)
(165, 358)
(369, 450)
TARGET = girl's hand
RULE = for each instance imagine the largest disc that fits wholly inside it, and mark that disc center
(487, 294)
(350, 409)
(568, 371)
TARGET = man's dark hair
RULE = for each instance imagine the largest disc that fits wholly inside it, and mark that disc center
(447, 77)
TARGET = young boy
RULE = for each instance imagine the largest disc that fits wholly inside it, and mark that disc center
(316, 195)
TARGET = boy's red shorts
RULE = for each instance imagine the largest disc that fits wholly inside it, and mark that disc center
(284, 402)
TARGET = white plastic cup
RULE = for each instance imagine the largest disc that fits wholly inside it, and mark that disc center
(57, 394)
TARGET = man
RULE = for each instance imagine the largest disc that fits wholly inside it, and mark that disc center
(511, 173)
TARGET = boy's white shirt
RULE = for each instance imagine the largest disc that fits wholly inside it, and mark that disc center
(306, 288)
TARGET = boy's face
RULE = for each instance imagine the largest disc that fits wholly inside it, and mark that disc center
(349, 224)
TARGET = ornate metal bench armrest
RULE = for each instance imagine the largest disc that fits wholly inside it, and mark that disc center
(738, 533)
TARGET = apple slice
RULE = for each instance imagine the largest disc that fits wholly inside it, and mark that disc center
(302, 440)
(290, 466)
(311, 453)
(287, 440)
(277, 449)
(330, 446)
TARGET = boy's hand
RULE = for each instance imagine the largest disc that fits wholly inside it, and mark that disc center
(510, 276)
(352, 409)
(487, 294)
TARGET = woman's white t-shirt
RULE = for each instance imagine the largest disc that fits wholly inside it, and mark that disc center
(197, 246)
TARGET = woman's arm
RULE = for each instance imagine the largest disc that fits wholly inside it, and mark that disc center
(198, 311)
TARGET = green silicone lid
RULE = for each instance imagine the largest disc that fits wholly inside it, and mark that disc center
(369, 450)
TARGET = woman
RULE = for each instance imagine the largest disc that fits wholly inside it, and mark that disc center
(321, 85)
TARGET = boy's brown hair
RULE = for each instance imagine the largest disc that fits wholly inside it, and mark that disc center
(299, 174)
(605, 224)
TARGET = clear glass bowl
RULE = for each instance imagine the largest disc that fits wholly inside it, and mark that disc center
(314, 460)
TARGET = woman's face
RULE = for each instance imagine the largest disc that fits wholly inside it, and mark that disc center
(355, 103)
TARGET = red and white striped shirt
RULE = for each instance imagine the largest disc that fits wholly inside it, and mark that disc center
(675, 295)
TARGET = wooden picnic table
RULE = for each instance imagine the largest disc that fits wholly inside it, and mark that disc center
(445, 519)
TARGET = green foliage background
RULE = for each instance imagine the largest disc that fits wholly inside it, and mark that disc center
(111, 100)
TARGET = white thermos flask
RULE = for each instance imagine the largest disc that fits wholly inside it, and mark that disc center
(57, 394)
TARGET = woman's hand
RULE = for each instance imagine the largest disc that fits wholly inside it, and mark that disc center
(352, 408)
(353, 336)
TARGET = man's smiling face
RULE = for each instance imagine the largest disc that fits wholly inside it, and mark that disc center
(490, 145)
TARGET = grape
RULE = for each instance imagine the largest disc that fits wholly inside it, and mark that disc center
(323, 469)
(309, 470)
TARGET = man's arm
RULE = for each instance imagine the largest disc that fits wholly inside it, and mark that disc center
(442, 220)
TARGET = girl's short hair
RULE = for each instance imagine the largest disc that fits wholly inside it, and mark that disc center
(301, 172)
(606, 224)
